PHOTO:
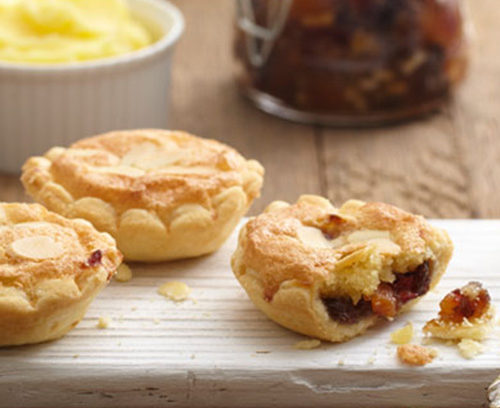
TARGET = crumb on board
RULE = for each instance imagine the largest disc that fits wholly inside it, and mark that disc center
(124, 273)
(403, 335)
(133, 308)
(307, 344)
(469, 348)
(262, 351)
(103, 322)
(176, 291)
(371, 360)
(465, 313)
(76, 355)
(156, 321)
(415, 355)
(340, 362)
(193, 356)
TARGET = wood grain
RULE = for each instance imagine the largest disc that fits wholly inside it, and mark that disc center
(447, 165)
(217, 350)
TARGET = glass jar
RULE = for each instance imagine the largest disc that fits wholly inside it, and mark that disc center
(350, 62)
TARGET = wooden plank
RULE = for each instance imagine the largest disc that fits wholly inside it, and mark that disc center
(206, 102)
(477, 113)
(445, 166)
(216, 349)
(417, 166)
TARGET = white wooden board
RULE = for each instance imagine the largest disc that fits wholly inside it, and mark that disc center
(217, 350)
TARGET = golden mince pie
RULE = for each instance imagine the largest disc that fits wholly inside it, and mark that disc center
(50, 270)
(333, 272)
(465, 313)
(162, 194)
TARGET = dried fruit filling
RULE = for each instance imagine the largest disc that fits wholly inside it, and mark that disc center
(385, 59)
(386, 301)
(94, 259)
(470, 302)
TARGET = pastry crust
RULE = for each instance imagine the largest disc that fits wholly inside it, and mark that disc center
(50, 270)
(289, 271)
(161, 194)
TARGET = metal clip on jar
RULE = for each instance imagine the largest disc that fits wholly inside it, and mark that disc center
(350, 62)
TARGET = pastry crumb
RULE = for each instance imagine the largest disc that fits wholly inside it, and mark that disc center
(133, 308)
(262, 351)
(415, 355)
(76, 355)
(124, 273)
(156, 321)
(176, 291)
(469, 348)
(403, 335)
(340, 363)
(307, 344)
(103, 322)
(193, 356)
(371, 360)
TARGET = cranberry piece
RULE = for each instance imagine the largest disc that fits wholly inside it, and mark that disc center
(95, 258)
(411, 285)
(343, 310)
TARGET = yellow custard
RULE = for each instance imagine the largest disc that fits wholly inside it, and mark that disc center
(64, 31)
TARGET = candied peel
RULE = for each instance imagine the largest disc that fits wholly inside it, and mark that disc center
(403, 335)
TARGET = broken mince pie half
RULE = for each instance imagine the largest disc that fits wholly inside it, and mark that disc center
(333, 272)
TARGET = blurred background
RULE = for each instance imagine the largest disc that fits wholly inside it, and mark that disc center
(446, 165)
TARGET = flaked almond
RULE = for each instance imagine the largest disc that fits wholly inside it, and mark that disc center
(36, 248)
(380, 239)
(315, 238)
(121, 170)
(176, 291)
(148, 156)
(367, 235)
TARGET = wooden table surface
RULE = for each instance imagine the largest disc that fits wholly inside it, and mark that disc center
(445, 166)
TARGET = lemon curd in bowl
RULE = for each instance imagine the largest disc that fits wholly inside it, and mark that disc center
(64, 31)
(107, 67)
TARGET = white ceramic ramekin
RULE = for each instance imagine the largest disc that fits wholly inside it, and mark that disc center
(45, 106)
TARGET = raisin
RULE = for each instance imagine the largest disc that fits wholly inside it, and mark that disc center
(343, 310)
(384, 302)
(411, 285)
(94, 259)
(387, 299)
